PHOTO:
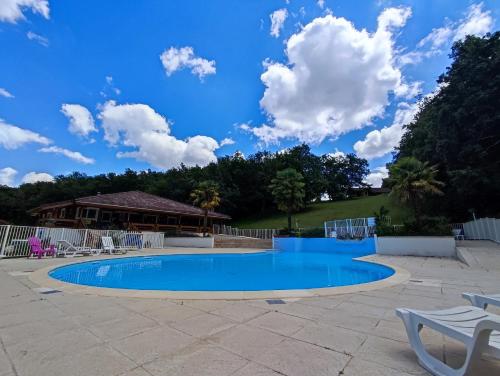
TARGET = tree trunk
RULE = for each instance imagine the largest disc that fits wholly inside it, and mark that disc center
(205, 222)
(416, 209)
(289, 214)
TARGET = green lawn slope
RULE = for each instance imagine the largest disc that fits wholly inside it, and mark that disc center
(316, 214)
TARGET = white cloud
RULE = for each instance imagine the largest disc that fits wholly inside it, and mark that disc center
(278, 18)
(74, 155)
(226, 141)
(336, 154)
(110, 87)
(7, 176)
(12, 10)
(476, 22)
(35, 177)
(175, 59)
(337, 79)
(38, 38)
(12, 137)
(140, 127)
(5, 93)
(380, 142)
(375, 178)
(321, 3)
(81, 121)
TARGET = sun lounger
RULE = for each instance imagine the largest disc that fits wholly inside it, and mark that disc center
(109, 246)
(474, 327)
(482, 301)
(66, 249)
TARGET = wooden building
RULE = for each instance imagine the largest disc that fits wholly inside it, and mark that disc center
(132, 210)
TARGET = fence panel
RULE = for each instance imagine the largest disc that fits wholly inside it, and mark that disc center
(483, 229)
(14, 239)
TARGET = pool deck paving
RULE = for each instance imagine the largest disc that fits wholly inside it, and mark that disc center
(65, 333)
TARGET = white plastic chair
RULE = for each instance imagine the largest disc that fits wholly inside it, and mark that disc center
(474, 327)
(109, 246)
(482, 301)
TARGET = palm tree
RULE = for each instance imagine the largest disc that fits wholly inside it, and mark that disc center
(288, 191)
(206, 196)
(411, 180)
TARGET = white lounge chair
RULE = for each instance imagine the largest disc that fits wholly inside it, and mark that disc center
(109, 246)
(66, 249)
(482, 301)
(474, 327)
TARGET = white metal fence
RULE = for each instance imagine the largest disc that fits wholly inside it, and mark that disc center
(483, 229)
(351, 228)
(14, 239)
(260, 233)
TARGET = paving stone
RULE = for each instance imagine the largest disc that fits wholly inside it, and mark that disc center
(279, 323)
(247, 341)
(203, 325)
(254, 369)
(359, 367)
(335, 338)
(197, 360)
(121, 328)
(151, 344)
(240, 312)
(389, 353)
(172, 313)
(295, 358)
(97, 361)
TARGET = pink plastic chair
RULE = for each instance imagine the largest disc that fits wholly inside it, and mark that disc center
(37, 249)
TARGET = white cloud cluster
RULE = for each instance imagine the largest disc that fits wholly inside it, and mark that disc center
(140, 127)
(337, 79)
(375, 178)
(12, 10)
(81, 121)
(7, 176)
(35, 177)
(5, 93)
(380, 142)
(476, 21)
(226, 141)
(37, 38)
(321, 3)
(278, 18)
(175, 59)
(74, 155)
(12, 137)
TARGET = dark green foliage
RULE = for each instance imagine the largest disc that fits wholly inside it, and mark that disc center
(342, 173)
(288, 191)
(311, 232)
(459, 131)
(429, 226)
(243, 184)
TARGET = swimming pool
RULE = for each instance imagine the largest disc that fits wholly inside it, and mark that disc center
(271, 270)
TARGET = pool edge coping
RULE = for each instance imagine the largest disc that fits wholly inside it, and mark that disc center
(41, 277)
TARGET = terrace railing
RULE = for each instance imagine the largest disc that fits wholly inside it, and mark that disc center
(259, 233)
(351, 228)
(14, 239)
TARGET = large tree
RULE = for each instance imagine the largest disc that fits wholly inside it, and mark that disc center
(206, 196)
(458, 130)
(412, 181)
(288, 192)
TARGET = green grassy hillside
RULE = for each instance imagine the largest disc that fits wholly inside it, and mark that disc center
(316, 214)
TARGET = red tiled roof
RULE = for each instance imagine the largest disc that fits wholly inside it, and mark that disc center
(140, 201)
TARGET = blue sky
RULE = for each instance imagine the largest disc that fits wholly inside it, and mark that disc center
(100, 86)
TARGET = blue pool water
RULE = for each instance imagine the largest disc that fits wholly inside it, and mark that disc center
(272, 270)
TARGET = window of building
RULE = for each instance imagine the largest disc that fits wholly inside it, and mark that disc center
(106, 216)
(151, 219)
(90, 213)
(172, 220)
(62, 213)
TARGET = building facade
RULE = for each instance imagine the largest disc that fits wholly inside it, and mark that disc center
(132, 210)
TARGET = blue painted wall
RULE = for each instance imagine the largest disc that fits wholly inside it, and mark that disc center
(358, 247)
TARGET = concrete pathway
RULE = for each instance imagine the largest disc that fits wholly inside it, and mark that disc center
(353, 334)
